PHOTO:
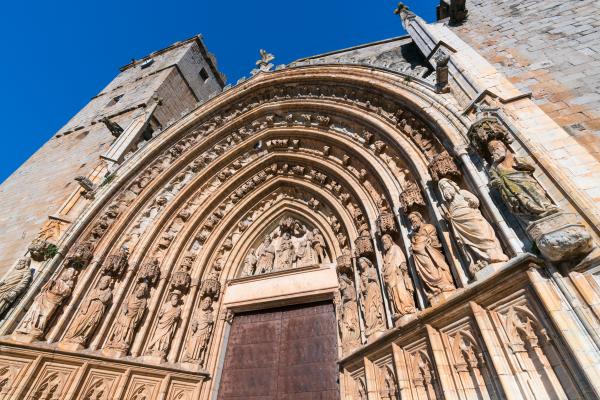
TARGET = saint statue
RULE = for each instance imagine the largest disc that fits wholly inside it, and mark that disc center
(318, 244)
(474, 234)
(266, 256)
(201, 328)
(429, 259)
(90, 313)
(513, 177)
(15, 283)
(305, 254)
(285, 253)
(372, 299)
(128, 319)
(168, 318)
(348, 315)
(396, 279)
(249, 267)
(51, 296)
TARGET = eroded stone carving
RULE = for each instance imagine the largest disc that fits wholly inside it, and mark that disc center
(14, 283)
(116, 264)
(90, 313)
(292, 244)
(348, 314)
(397, 281)
(201, 329)
(513, 177)
(128, 320)
(372, 300)
(474, 234)
(168, 318)
(51, 297)
(429, 259)
(80, 256)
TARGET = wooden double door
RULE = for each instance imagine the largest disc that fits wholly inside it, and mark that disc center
(282, 354)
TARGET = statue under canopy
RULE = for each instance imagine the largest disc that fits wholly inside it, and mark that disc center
(396, 278)
(513, 177)
(14, 283)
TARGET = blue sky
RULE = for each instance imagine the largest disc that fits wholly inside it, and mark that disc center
(56, 55)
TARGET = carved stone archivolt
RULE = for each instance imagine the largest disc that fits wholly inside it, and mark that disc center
(290, 176)
(14, 284)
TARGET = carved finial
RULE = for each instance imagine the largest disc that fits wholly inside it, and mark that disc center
(264, 64)
(403, 11)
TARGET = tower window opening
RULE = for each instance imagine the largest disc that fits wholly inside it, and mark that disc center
(203, 75)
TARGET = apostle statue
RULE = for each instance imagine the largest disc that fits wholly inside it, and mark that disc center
(318, 244)
(90, 313)
(305, 254)
(513, 177)
(266, 256)
(372, 299)
(474, 234)
(396, 278)
(348, 315)
(201, 327)
(429, 259)
(249, 267)
(128, 319)
(14, 284)
(285, 253)
(168, 318)
(51, 296)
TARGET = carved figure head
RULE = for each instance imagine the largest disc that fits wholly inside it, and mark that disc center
(68, 274)
(141, 290)
(448, 188)
(364, 263)
(206, 303)
(497, 150)
(104, 282)
(387, 241)
(174, 298)
(23, 263)
(416, 220)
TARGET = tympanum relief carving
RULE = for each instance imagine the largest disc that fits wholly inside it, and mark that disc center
(292, 244)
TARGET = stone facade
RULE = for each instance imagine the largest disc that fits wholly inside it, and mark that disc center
(406, 183)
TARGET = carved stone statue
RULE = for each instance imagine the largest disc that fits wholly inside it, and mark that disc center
(305, 254)
(249, 267)
(475, 235)
(90, 313)
(372, 300)
(201, 328)
(15, 283)
(266, 256)
(286, 253)
(348, 315)
(51, 296)
(429, 259)
(513, 177)
(128, 320)
(396, 279)
(318, 244)
(168, 318)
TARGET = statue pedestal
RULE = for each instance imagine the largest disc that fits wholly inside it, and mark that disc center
(153, 359)
(405, 319)
(441, 298)
(70, 346)
(111, 352)
(24, 338)
(561, 236)
(488, 270)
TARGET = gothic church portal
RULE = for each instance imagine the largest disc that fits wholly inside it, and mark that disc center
(415, 218)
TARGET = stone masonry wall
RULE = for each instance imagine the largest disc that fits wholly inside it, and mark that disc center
(550, 48)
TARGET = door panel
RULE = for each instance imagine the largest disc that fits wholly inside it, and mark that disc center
(282, 354)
